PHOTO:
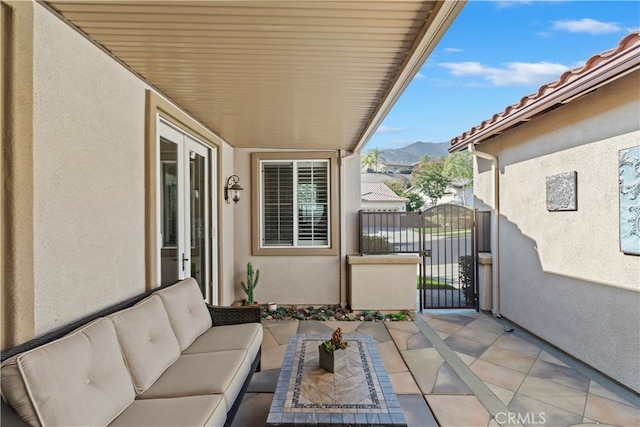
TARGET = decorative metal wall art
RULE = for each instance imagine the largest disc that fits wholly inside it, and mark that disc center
(629, 165)
(562, 193)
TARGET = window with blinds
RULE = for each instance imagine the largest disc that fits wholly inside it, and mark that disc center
(295, 203)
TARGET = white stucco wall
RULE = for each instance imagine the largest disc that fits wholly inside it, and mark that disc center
(88, 157)
(562, 275)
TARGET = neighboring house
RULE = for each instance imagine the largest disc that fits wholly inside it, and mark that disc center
(402, 168)
(551, 176)
(379, 197)
(453, 195)
(383, 177)
(124, 124)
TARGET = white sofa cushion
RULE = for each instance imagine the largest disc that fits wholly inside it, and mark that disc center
(187, 312)
(244, 336)
(148, 343)
(209, 410)
(222, 372)
(80, 379)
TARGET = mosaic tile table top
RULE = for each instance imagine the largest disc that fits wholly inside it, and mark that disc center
(358, 395)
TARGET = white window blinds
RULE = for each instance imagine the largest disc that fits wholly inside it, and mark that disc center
(295, 203)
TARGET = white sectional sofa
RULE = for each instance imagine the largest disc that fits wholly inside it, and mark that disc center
(167, 359)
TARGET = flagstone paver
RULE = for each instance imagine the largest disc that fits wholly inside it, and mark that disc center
(609, 411)
(508, 359)
(448, 382)
(541, 414)
(459, 411)
(424, 364)
(555, 394)
(560, 374)
(498, 375)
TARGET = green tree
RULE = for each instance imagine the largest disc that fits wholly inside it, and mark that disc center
(377, 157)
(415, 202)
(371, 158)
(458, 167)
(367, 161)
(430, 178)
(397, 187)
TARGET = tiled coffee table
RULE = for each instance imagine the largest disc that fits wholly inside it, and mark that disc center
(358, 395)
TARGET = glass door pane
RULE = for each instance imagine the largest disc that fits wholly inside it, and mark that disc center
(169, 194)
(198, 219)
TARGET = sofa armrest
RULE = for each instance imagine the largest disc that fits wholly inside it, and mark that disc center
(234, 315)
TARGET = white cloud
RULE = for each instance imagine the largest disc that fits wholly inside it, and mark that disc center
(420, 76)
(586, 25)
(513, 73)
(504, 4)
(387, 129)
(452, 50)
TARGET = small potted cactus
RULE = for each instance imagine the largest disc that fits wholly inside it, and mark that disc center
(333, 352)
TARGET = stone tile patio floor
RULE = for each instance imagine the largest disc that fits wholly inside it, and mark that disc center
(461, 368)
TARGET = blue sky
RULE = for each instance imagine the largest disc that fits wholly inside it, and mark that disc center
(495, 53)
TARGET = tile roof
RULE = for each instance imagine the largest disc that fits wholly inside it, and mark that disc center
(379, 192)
(600, 69)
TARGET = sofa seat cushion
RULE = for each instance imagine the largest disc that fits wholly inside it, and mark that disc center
(148, 343)
(245, 336)
(222, 372)
(188, 411)
(187, 311)
(80, 379)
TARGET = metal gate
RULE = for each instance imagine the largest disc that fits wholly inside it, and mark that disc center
(444, 237)
(448, 258)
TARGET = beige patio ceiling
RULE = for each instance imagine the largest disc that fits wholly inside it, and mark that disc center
(267, 74)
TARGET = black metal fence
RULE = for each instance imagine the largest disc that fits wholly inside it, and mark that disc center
(444, 237)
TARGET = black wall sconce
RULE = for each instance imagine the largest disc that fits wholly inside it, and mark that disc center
(232, 189)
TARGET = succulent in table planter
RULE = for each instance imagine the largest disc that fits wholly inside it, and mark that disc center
(332, 353)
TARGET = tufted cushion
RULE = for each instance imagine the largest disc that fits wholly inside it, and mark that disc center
(209, 411)
(187, 312)
(78, 380)
(148, 343)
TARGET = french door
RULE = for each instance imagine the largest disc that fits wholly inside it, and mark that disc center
(185, 210)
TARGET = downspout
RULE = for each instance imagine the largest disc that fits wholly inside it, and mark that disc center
(495, 309)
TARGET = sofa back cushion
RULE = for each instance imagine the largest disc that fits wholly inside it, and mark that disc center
(78, 380)
(187, 312)
(148, 343)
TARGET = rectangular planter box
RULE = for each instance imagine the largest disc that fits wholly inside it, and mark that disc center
(332, 362)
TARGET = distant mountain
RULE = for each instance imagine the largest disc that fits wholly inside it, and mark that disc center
(414, 152)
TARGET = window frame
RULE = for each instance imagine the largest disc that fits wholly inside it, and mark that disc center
(257, 207)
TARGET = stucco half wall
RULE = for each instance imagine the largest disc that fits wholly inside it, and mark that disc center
(562, 274)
